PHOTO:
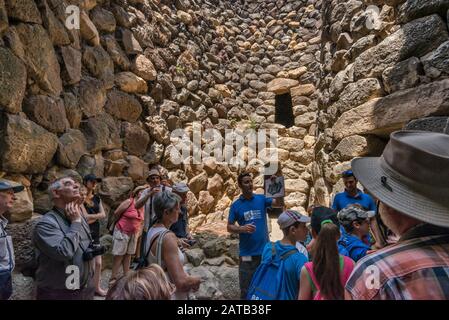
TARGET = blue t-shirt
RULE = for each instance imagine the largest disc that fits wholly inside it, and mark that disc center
(355, 247)
(253, 211)
(343, 199)
(289, 287)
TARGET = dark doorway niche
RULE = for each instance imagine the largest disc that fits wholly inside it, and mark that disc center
(284, 110)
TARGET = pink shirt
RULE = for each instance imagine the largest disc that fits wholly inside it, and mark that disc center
(131, 220)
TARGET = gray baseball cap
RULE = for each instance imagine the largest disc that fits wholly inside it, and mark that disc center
(290, 217)
(352, 213)
(180, 187)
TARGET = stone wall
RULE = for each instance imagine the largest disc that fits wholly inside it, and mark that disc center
(378, 75)
(104, 99)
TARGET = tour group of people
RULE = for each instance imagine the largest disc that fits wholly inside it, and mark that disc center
(389, 241)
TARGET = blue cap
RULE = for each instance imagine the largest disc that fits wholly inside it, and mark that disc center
(7, 186)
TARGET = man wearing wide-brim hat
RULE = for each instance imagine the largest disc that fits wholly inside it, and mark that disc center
(411, 182)
(7, 198)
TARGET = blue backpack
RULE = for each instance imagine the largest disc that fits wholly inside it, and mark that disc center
(269, 276)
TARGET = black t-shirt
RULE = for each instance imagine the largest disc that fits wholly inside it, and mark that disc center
(94, 209)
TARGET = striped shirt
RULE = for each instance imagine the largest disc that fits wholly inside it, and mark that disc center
(416, 268)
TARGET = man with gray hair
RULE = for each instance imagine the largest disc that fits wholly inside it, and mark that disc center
(7, 199)
(63, 245)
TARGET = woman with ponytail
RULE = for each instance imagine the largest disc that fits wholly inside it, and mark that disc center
(325, 276)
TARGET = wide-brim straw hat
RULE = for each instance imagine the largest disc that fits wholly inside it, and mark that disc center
(411, 176)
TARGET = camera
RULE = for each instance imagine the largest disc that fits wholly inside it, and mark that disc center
(92, 251)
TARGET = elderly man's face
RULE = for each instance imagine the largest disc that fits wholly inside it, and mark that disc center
(69, 190)
(7, 198)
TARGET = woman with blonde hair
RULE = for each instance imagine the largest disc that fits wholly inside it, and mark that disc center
(149, 283)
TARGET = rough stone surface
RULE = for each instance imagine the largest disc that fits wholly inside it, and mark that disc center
(12, 81)
(71, 147)
(415, 38)
(47, 112)
(26, 146)
(384, 115)
(40, 57)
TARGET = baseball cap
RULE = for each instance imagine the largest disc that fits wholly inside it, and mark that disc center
(320, 214)
(347, 174)
(352, 213)
(290, 217)
(7, 186)
(180, 187)
(154, 172)
(91, 177)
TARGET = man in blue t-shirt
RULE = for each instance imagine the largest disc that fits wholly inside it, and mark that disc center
(356, 223)
(250, 212)
(352, 195)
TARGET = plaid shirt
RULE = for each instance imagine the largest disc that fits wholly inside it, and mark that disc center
(416, 268)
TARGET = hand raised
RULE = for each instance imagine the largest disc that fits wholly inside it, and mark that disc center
(73, 211)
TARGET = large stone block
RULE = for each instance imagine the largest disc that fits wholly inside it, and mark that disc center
(414, 9)
(116, 189)
(72, 109)
(144, 68)
(198, 183)
(357, 146)
(13, 78)
(88, 30)
(434, 124)
(358, 93)
(101, 133)
(26, 147)
(281, 85)
(403, 75)
(205, 201)
(414, 39)
(131, 83)
(436, 63)
(71, 147)
(384, 115)
(48, 112)
(135, 139)
(71, 58)
(40, 57)
(54, 26)
(23, 10)
(157, 127)
(103, 19)
(3, 17)
(138, 169)
(123, 106)
(116, 52)
(92, 96)
(98, 62)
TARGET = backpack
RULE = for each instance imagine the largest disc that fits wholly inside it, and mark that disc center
(269, 276)
(346, 267)
(143, 261)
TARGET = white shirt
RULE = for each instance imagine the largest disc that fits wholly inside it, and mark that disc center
(149, 204)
